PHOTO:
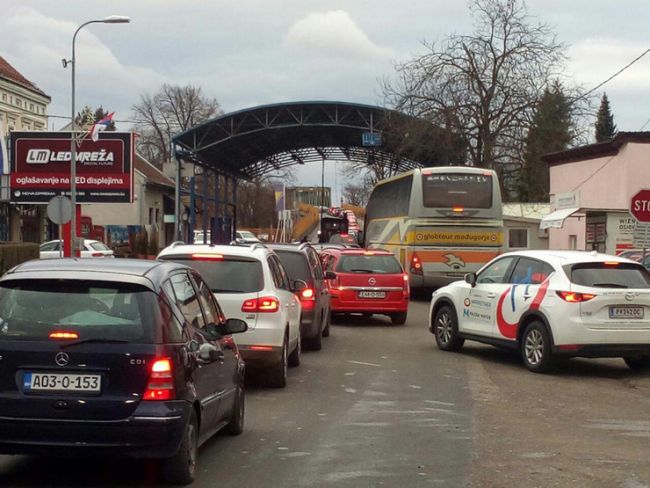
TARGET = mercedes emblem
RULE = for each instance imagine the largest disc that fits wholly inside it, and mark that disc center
(61, 359)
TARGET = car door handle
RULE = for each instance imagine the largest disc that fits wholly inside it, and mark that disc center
(527, 296)
(491, 295)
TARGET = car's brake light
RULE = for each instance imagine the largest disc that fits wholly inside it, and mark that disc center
(160, 385)
(261, 305)
(307, 294)
(575, 297)
(611, 263)
(63, 335)
(97, 254)
(368, 253)
(202, 256)
(405, 290)
(457, 209)
(416, 265)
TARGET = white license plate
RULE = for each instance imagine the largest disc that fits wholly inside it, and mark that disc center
(39, 382)
(626, 312)
(372, 294)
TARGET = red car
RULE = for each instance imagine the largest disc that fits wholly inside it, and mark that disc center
(368, 281)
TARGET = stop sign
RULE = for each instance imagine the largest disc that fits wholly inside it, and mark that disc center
(640, 205)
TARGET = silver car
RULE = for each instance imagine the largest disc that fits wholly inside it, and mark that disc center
(91, 249)
(251, 284)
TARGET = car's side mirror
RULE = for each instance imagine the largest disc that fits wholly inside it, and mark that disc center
(230, 326)
(330, 275)
(298, 285)
(471, 279)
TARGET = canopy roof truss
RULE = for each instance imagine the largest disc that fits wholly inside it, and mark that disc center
(256, 141)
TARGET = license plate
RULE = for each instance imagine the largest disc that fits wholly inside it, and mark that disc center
(626, 312)
(42, 382)
(372, 294)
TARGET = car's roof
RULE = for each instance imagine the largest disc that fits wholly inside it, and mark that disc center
(129, 270)
(300, 247)
(60, 240)
(562, 258)
(185, 249)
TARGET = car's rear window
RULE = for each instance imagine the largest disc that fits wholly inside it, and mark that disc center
(604, 275)
(33, 309)
(228, 275)
(375, 264)
(296, 265)
(99, 246)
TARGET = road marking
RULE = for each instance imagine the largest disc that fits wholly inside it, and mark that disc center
(436, 402)
(364, 364)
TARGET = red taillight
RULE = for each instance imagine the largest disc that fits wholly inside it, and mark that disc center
(261, 305)
(307, 294)
(574, 297)
(457, 209)
(261, 348)
(405, 290)
(416, 265)
(97, 254)
(63, 335)
(202, 256)
(160, 385)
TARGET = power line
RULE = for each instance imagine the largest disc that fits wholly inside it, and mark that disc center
(614, 75)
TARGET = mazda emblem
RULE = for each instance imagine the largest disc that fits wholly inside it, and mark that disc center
(372, 281)
(61, 359)
(630, 296)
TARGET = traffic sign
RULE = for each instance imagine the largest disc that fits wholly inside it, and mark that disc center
(640, 205)
(371, 138)
(59, 210)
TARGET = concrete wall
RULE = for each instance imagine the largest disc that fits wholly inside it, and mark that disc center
(534, 239)
(604, 183)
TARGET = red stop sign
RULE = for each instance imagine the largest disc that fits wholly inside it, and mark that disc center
(640, 205)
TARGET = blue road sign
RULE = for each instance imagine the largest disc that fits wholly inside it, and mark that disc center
(371, 138)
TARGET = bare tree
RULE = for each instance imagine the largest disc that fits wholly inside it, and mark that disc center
(171, 110)
(356, 194)
(484, 86)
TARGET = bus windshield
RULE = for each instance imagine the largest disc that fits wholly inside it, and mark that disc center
(448, 190)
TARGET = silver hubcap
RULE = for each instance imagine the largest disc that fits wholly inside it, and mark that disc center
(534, 347)
(444, 328)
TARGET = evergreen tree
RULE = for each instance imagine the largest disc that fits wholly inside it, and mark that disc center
(551, 131)
(605, 128)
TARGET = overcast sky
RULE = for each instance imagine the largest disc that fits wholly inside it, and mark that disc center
(252, 52)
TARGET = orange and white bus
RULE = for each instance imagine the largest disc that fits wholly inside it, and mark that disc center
(440, 222)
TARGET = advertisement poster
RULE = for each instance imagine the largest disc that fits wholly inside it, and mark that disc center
(41, 163)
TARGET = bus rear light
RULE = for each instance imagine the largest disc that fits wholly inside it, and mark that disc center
(63, 335)
(575, 297)
(416, 265)
(160, 385)
(458, 209)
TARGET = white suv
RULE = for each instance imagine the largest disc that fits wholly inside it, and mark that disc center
(250, 284)
(549, 304)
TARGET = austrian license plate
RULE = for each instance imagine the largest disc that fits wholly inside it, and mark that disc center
(372, 294)
(626, 312)
(43, 382)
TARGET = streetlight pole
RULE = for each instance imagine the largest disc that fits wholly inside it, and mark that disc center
(112, 19)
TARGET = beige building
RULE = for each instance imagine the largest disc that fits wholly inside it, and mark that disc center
(521, 222)
(23, 106)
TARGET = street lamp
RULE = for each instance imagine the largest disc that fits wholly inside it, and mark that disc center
(111, 19)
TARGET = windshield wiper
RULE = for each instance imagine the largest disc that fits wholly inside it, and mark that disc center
(609, 285)
(361, 270)
(96, 341)
(229, 290)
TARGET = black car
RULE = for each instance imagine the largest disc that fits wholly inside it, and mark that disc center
(116, 357)
(301, 262)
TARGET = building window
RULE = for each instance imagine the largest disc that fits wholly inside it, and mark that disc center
(19, 102)
(152, 216)
(4, 97)
(518, 238)
(31, 107)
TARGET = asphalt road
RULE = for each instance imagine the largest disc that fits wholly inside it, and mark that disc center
(380, 406)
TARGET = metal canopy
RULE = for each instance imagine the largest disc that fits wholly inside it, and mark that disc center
(255, 141)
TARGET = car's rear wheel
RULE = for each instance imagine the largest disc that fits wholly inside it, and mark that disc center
(236, 424)
(277, 376)
(445, 328)
(398, 318)
(294, 357)
(536, 348)
(326, 330)
(638, 363)
(180, 469)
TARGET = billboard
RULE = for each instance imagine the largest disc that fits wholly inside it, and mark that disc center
(40, 167)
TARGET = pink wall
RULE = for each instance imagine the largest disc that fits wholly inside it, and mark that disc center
(605, 183)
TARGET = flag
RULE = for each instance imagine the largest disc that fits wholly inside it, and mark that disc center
(278, 189)
(4, 161)
(99, 126)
